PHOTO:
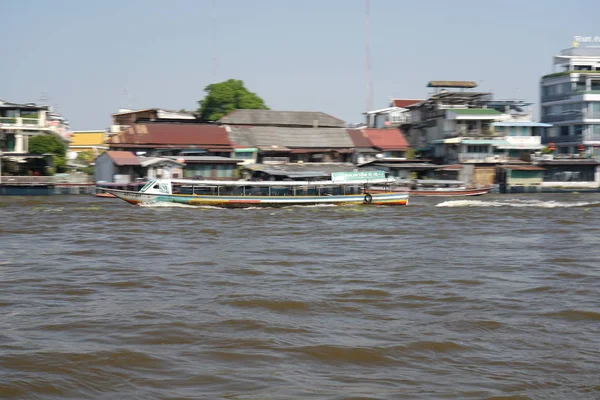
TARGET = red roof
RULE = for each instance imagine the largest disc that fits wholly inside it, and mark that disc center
(173, 135)
(404, 102)
(386, 139)
(123, 157)
(359, 137)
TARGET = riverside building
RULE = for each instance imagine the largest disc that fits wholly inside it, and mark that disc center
(570, 98)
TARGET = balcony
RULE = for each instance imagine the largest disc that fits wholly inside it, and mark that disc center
(470, 132)
(482, 158)
(564, 139)
(19, 122)
(557, 97)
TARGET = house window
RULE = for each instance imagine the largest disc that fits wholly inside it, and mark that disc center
(564, 130)
(477, 149)
(244, 155)
(513, 131)
(224, 171)
(200, 170)
(524, 131)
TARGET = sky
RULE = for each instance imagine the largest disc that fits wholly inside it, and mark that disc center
(90, 58)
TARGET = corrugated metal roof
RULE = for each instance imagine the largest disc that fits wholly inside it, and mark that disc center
(147, 161)
(123, 157)
(265, 136)
(282, 118)
(205, 159)
(452, 84)
(174, 134)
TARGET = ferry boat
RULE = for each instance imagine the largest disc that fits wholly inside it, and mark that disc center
(344, 188)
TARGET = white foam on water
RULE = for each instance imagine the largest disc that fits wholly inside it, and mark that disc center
(515, 203)
(174, 205)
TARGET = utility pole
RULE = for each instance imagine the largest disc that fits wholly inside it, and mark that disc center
(214, 39)
(368, 54)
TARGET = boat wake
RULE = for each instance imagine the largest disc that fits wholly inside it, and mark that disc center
(516, 203)
(175, 205)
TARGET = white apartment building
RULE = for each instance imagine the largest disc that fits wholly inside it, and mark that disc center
(570, 98)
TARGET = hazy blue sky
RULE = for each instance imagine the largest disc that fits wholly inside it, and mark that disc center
(296, 54)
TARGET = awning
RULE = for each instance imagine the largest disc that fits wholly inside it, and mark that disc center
(523, 123)
(490, 142)
(521, 147)
(245, 149)
(453, 140)
(273, 148)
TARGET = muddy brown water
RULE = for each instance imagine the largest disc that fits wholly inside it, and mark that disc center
(494, 297)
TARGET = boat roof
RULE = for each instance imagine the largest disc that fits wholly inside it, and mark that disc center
(199, 182)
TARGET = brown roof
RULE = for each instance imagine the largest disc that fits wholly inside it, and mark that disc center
(523, 168)
(387, 139)
(123, 157)
(359, 137)
(404, 102)
(173, 135)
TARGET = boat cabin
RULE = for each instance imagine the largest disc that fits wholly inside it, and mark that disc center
(251, 188)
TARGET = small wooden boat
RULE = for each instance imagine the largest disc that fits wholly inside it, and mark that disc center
(438, 188)
(343, 189)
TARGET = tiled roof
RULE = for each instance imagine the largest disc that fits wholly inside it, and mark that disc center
(173, 135)
(359, 138)
(258, 136)
(123, 157)
(404, 102)
(387, 139)
(282, 118)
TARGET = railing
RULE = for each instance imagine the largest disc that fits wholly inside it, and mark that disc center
(564, 139)
(19, 121)
(592, 114)
(27, 180)
(470, 132)
(72, 179)
(569, 116)
(478, 157)
(556, 97)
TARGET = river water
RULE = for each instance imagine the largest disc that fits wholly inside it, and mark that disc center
(494, 297)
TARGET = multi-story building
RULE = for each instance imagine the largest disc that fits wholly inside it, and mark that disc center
(570, 100)
(19, 122)
(395, 114)
(456, 124)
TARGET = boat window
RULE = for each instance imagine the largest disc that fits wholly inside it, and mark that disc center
(147, 186)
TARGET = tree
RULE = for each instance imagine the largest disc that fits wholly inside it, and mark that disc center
(50, 144)
(224, 97)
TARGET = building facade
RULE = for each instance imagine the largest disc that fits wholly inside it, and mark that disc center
(570, 100)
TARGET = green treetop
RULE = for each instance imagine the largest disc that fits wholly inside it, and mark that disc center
(50, 144)
(224, 97)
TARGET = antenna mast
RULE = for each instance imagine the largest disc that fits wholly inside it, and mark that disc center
(368, 54)
(214, 39)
